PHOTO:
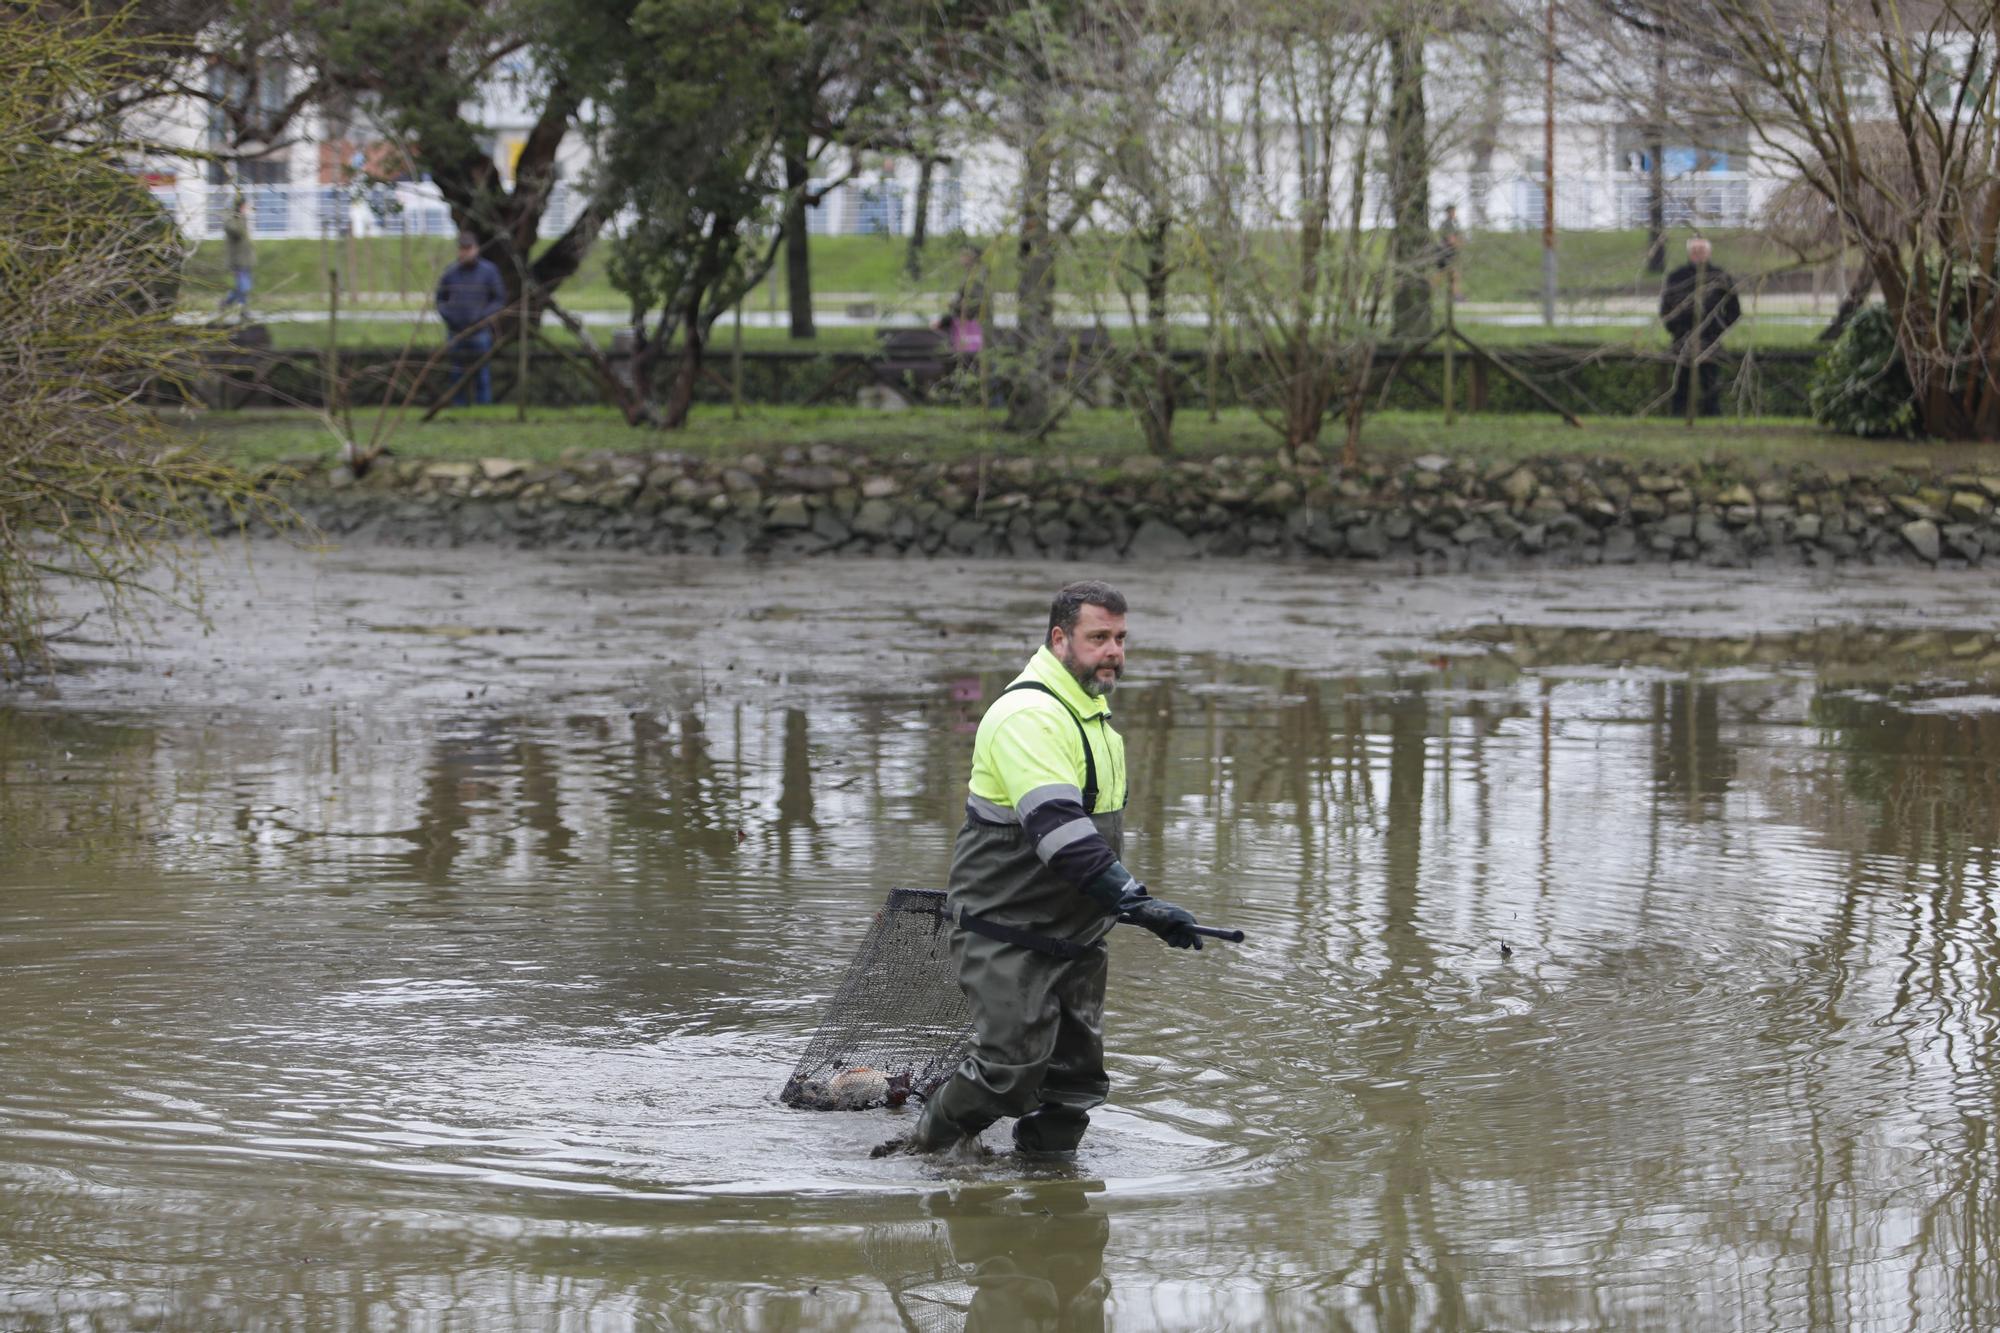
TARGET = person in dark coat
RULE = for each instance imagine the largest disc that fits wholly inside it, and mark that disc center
(1704, 293)
(1450, 244)
(468, 295)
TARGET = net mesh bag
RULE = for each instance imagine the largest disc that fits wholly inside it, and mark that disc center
(898, 1025)
(929, 1287)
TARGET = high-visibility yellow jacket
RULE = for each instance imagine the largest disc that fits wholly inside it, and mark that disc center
(1032, 765)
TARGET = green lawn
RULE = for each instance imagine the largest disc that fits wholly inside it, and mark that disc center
(292, 274)
(253, 437)
(388, 335)
(391, 335)
(1502, 267)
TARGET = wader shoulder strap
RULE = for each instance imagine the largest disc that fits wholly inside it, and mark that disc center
(1027, 939)
(1089, 760)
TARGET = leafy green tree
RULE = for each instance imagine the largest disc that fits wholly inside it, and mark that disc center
(1861, 386)
(92, 485)
(688, 140)
(417, 67)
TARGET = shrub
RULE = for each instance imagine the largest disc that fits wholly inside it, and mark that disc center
(92, 487)
(1861, 387)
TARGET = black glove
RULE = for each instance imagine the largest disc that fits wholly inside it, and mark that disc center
(1169, 922)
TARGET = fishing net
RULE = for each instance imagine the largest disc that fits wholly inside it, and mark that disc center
(898, 1025)
(929, 1286)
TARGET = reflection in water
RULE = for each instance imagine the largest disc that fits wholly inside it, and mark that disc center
(998, 1259)
(1690, 763)
(541, 800)
(489, 1005)
(1411, 1268)
(795, 793)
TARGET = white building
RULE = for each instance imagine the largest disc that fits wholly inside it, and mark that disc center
(334, 174)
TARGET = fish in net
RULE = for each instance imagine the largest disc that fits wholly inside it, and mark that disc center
(898, 1026)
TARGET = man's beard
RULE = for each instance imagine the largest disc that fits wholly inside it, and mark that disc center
(1087, 676)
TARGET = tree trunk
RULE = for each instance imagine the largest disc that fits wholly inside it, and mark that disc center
(1409, 183)
(1486, 130)
(713, 261)
(1305, 389)
(680, 398)
(1156, 416)
(1031, 402)
(627, 393)
(1306, 374)
(508, 222)
(920, 223)
(1857, 292)
(1927, 357)
(1656, 168)
(798, 243)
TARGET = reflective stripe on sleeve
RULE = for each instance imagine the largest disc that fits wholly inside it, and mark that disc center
(988, 812)
(1064, 835)
(1041, 796)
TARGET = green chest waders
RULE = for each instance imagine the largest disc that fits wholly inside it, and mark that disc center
(1033, 970)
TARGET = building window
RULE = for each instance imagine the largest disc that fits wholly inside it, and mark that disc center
(881, 210)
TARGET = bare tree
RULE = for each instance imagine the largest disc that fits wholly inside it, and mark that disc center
(1407, 155)
(1015, 59)
(1304, 280)
(1889, 113)
(1489, 119)
(93, 486)
(1660, 72)
(1139, 58)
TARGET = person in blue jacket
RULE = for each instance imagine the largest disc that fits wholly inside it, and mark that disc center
(468, 296)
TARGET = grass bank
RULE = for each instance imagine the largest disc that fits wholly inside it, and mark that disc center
(1497, 267)
(371, 334)
(256, 437)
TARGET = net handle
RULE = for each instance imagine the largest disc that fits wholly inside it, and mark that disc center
(1212, 932)
(933, 904)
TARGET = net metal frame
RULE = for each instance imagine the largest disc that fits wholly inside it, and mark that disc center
(898, 1014)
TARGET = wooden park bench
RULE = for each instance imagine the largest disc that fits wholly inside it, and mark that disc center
(907, 361)
(910, 361)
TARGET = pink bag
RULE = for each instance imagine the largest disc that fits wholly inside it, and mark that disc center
(967, 338)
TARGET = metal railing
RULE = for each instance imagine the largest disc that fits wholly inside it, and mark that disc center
(280, 212)
(1601, 201)
(1493, 201)
(292, 212)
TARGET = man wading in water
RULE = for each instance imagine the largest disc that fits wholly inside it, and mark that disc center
(1036, 885)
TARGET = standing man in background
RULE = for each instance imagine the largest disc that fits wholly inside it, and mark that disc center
(1450, 242)
(468, 296)
(237, 253)
(1702, 294)
(1036, 885)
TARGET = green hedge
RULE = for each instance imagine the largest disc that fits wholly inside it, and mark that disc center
(1766, 383)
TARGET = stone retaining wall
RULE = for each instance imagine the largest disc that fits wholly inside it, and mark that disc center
(1436, 511)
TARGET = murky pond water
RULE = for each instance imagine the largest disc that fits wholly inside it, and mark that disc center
(426, 945)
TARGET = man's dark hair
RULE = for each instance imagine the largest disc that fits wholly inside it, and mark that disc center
(466, 238)
(1069, 604)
